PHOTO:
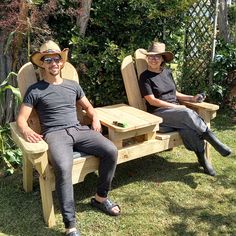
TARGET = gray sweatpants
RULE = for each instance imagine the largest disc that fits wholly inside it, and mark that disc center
(188, 123)
(61, 145)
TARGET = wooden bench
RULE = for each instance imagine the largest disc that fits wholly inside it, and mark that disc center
(131, 70)
(136, 140)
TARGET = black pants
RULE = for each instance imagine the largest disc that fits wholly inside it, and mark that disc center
(188, 123)
(61, 144)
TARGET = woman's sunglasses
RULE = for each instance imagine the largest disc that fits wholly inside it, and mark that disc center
(154, 57)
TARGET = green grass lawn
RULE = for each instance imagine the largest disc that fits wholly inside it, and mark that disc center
(164, 194)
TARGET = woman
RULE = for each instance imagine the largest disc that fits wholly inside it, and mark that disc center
(159, 90)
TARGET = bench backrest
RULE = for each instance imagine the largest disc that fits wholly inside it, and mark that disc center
(28, 75)
(130, 74)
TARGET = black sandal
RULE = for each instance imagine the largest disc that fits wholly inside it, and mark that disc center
(105, 206)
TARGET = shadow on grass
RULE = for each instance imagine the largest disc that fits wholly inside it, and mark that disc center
(147, 169)
(217, 224)
(216, 217)
(210, 192)
(21, 212)
(217, 213)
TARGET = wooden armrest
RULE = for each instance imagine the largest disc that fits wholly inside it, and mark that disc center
(26, 147)
(203, 105)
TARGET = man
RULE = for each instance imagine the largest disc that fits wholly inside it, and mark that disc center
(55, 100)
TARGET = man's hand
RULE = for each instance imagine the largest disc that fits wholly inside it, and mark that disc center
(96, 125)
(26, 131)
(31, 136)
(87, 106)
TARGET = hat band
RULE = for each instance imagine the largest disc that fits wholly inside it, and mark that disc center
(51, 51)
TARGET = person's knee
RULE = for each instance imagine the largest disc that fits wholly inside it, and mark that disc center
(111, 152)
(188, 113)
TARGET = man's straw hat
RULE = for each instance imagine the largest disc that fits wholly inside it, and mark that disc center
(158, 49)
(48, 48)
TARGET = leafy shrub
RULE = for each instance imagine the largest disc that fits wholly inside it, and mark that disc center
(223, 65)
(15, 96)
(10, 155)
(99, 73)
(116, 29)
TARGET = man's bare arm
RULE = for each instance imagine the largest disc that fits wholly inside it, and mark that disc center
(26, 131)
(87, 106)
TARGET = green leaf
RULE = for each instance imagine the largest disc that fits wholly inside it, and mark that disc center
(9, 40)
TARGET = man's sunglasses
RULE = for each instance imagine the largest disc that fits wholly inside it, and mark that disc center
(49, 60)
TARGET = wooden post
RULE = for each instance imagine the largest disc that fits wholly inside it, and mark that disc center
(43, 168)
(27, 174)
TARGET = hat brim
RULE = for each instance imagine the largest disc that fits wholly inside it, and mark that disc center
(36, 57)
(168, 56)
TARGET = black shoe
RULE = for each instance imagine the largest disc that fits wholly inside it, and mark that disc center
(199, 160)
(74, 233)
(202, 160)
(215, 142)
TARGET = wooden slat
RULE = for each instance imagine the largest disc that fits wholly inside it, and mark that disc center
(202, 105)
(28, 148)
(26, 77)
(140, 61)
(69, 72)
(134, 118)
(131, 84)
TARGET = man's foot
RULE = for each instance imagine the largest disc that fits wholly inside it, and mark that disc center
(72, 232)
(105, 205)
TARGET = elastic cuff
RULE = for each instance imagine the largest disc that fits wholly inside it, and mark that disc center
(102, 193)
(69, 225)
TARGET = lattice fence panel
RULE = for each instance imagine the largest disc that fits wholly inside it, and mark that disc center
(198, 46)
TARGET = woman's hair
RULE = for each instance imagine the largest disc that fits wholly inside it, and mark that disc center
(163, 63)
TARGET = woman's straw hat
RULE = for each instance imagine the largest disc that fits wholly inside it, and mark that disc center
(158, 49)
(48, 48)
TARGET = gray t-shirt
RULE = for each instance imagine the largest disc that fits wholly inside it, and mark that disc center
(55, 104)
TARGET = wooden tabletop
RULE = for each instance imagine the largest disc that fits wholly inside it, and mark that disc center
(133, 118)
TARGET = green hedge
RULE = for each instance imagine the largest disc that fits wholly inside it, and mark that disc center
(117, 28)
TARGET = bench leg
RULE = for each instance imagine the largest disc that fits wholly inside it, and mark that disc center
(27, 174)
(43, 168)
(207, 151)
(150, 136)
(47, 201)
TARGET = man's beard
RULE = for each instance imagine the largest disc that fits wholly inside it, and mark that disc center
(54, 73)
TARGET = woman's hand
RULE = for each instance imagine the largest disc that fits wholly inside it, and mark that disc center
(199, 97)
